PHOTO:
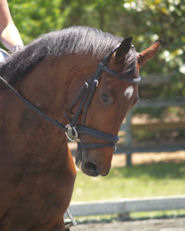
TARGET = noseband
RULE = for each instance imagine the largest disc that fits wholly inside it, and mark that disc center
(73, 130)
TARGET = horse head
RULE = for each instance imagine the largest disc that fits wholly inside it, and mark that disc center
(115, 93)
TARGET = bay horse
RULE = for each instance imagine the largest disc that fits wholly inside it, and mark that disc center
(87, 80)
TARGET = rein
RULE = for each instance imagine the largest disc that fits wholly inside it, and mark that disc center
(73, 130)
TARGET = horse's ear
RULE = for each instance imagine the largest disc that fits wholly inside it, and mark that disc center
(149, 53)
(123, 49)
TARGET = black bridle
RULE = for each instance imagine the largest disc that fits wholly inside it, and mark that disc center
(73, 130)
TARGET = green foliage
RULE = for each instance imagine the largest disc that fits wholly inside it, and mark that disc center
(34, 18)
(146, 21)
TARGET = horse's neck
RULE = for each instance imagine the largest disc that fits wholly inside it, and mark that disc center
(24, 130)
(45, 87)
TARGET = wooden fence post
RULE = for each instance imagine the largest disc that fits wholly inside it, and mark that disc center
(128, 139)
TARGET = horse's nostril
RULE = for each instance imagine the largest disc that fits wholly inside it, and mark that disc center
(91, 166)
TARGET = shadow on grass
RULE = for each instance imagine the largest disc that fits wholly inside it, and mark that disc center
(157, 170)
(100, 219)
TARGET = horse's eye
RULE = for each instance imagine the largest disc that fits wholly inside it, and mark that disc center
(105, 98)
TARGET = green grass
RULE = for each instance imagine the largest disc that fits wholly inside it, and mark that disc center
(161, 179)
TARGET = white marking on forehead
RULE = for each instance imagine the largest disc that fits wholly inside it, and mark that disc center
(129, 92)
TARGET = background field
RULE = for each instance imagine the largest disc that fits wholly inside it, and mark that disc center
(150, 176)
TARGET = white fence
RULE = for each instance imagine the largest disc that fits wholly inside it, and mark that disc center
(126, 206)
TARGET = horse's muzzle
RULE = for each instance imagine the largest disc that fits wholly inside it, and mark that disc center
(90, 169)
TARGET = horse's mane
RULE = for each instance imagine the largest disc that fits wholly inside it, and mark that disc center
(72, 40)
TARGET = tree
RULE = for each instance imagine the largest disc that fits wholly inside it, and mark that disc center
(145, 21)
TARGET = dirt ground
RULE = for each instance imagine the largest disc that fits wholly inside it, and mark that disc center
(119, 160)
(169, 224)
